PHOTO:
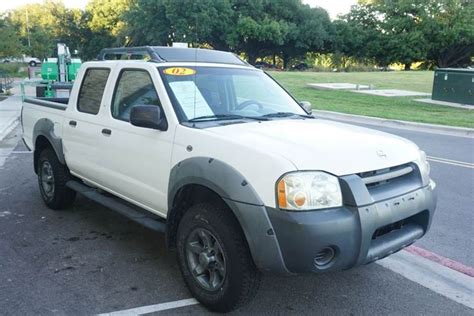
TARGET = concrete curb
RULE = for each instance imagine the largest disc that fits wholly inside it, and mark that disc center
(422, 127)
(10, 127)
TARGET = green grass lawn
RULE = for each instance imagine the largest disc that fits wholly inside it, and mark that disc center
(400, 108)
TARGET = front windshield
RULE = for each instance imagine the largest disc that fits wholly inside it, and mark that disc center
(217, 93)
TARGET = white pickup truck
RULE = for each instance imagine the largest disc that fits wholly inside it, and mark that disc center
(32, 61)
(238, 175)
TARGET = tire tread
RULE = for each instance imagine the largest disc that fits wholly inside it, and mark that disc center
(64, 197)
(250, 276)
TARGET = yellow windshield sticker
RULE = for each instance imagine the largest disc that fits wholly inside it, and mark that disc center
(179, 71)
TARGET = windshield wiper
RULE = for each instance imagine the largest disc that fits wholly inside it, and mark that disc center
(216, 117)
(285, 114)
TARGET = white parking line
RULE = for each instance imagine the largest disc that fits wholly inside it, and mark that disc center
(449, 283)
(153, 308)
(451, 162)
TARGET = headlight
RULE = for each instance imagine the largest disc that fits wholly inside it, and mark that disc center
(308, 190)
(425, 168)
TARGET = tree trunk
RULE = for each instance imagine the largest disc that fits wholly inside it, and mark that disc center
(407, 66)
(251, 58)
(285, 61)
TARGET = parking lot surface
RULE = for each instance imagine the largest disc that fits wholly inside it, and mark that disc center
(90, 260)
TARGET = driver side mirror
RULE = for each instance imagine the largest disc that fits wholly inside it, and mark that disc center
(148, 116)
(306, 105)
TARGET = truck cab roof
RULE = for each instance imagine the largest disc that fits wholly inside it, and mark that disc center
(164, 54)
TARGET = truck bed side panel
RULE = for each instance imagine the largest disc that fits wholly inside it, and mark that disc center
(32, 113)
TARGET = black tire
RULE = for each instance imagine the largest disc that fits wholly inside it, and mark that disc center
(52, 178)
(241, 279)
(32, 63)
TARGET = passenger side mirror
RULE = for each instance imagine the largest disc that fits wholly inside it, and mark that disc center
(306, 105)
(148, 116)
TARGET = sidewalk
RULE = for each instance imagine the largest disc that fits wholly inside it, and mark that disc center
(10, 110)
(413, 126)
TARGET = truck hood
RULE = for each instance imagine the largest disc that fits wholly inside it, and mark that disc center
(318, 144)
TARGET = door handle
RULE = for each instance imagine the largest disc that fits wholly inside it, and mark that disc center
(73, 123)
(106, 131)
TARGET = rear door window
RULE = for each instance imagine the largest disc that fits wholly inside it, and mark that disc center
(92, 90)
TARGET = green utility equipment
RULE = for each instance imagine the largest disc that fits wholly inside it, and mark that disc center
(454, 85)
(58, 74)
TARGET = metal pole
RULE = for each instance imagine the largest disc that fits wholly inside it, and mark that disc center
(28, 28)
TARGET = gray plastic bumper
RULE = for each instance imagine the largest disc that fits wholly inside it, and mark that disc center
(288, 242)
(357, 235)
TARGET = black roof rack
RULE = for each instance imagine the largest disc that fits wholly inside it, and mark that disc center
(128, 53)
(163, 54)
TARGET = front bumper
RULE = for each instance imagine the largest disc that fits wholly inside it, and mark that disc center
(358, 233)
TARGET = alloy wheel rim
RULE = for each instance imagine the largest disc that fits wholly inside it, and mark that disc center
(206, 259)
(47, 179)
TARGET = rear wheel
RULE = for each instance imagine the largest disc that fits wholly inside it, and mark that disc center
(32, 63)
(52, 178)
(214, 258)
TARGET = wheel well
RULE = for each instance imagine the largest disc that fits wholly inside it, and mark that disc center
(41, 144)
(186, 197)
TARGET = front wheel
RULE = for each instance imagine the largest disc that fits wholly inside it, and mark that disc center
(52, 178)
(32, 63)
(214, 258)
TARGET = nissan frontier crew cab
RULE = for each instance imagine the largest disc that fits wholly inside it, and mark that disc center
(239, 176)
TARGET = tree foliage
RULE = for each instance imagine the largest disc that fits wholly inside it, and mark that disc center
(437, 32)
(255, 28)
(405, 31)
(10, 44)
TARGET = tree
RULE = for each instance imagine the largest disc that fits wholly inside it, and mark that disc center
(257, 38)
(147, 24)
(449, 30)
(103, 25)
(107, 15)
(402, 30)
(255, 28)
(258, 28)
(405, 31)
(358, 34)
(205, 22)
(73, 29)
(162, 22)
(10, 44)
(310, 32)
(348, 41)
(38, 27)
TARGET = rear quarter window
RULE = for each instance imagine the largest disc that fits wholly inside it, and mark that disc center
(92, 90)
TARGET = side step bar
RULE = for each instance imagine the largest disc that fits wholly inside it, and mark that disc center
(150, 221)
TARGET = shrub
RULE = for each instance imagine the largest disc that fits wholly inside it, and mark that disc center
(14, 69)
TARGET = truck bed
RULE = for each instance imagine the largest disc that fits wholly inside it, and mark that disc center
(35, 109)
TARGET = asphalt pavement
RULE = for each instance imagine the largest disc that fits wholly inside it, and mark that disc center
(90, 260)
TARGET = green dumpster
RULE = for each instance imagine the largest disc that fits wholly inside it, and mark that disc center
(73, 68)
(49, 69)
(454, 85)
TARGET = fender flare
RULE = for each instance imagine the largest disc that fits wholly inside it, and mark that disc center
(45, 127)
(214, 174)
(242, 200)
